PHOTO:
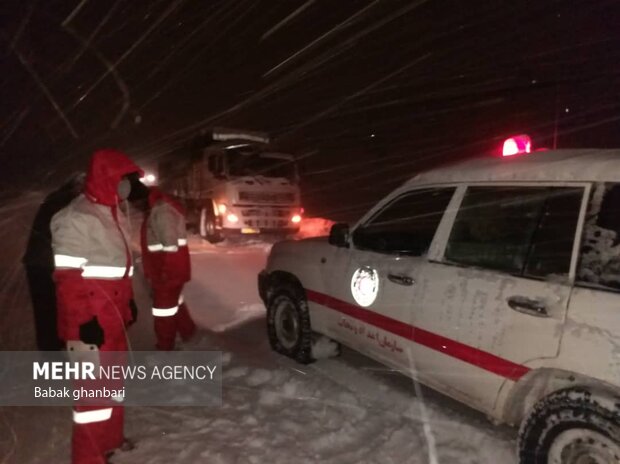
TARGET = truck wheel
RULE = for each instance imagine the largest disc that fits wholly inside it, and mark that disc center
(208, 229)
(288, 325)
(571, 427)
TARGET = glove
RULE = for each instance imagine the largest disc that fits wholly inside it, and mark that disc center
(134, 312)
(91, 333)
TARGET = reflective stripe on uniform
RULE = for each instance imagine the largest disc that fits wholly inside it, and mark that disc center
(72, 262)
(88, 417)
(165, 312)
(105, 272)
(160, 246)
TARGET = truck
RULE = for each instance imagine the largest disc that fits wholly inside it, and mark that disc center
(234, 183)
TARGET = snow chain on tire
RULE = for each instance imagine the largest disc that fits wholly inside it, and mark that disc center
(565, 410)
(302, 350)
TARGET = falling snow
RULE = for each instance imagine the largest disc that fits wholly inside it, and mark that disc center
(339, 410)
(365, 94)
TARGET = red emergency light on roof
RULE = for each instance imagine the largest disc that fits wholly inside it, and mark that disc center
(516, 145)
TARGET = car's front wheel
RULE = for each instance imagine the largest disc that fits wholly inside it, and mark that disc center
(571, 427)
(288, 325)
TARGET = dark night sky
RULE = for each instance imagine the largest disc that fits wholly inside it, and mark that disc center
(368, 92)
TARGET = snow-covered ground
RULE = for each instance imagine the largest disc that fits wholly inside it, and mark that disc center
(341, 410)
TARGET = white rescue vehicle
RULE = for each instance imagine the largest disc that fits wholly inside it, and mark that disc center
(495, 281)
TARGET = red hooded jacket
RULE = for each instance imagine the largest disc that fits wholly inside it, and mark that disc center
(165, 255)
(91, 252)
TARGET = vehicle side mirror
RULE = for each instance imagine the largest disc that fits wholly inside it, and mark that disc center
(339, 235)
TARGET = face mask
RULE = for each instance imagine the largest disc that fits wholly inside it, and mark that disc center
(124, 189)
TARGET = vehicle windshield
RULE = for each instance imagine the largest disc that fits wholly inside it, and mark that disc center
(259, 164)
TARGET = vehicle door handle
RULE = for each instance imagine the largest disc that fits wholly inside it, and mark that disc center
(528, 306)
(401, 279)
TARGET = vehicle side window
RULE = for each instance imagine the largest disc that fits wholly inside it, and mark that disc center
(407, 225)
(599, 261)
(215, 165)
(552, 245)
(519, 230)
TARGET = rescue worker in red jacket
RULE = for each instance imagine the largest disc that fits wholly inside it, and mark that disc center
(93, 270)
(166, 262)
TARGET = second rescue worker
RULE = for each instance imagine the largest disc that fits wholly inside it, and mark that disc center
(166, 261)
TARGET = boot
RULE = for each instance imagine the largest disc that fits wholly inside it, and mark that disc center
(127, 445)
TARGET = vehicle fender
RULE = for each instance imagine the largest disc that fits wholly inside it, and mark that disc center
(537, 384)
(278, 279)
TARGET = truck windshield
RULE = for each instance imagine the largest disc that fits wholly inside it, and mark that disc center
(259, 164)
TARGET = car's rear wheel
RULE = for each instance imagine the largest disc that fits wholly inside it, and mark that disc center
(288, 325)
(571, 427)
